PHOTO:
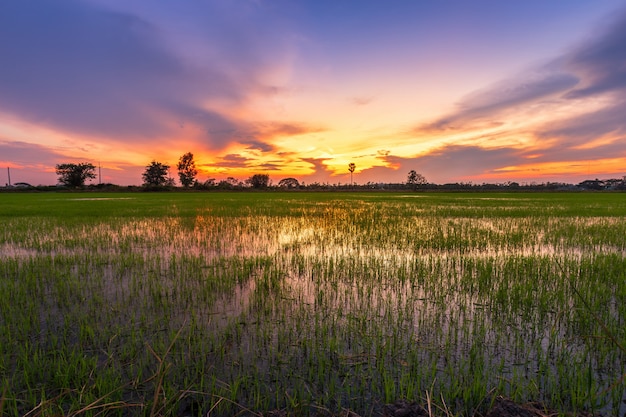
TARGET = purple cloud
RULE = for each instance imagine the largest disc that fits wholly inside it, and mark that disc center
(601, 61)
(81, 67)
(453, 162)
(589, 126)
(598, 66)
(258, 146)
(231, 161)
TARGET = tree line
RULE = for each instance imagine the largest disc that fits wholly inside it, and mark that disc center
(157, 176)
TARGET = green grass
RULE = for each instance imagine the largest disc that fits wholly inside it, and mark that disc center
(184, 303)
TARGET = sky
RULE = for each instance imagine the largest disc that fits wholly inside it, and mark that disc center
(459, 91)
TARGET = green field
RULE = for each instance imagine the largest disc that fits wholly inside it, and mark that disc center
(197, 304)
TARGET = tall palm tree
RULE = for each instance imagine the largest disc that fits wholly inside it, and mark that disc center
(351, 168)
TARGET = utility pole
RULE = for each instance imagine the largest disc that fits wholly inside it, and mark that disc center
(99, 172)
(9, 174)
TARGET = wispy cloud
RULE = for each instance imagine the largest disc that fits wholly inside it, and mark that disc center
(23, 154)
(231, 161)
(608, 120)
(492, 104)
(601, 62)
(571, 108)
(83, 68)
(258, 146)
(362, 100)
(452, 163)
(596, 67)
(285, 129)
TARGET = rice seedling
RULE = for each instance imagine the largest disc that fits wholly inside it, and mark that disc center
(235, 303)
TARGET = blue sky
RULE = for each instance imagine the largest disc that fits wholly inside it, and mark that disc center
(482, 91)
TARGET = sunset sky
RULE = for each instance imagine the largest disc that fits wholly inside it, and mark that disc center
(458, 90)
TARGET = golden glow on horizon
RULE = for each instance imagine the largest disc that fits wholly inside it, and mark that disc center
(564, 168)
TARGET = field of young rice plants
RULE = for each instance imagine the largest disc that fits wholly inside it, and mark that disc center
(221, 304)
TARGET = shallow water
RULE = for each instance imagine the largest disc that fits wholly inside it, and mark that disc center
(374, 296)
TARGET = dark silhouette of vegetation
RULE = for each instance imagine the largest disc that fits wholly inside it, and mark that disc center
(415, 180)
(229, 183)
(351, 168)
(206, 185)
(187, 170)
(608, 185)
(259, 181)
(75, 175)
(289, 183)
(155, 175)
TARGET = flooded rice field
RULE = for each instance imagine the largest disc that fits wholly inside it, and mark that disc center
(245, 303)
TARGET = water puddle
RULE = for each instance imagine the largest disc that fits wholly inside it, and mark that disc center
(370, 282)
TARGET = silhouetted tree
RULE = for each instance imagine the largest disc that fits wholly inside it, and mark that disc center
(288, 183)
(259, 181)
(206, 185)
(229, 183)
(351, 168)
(187, 170)
(233, 181)
(415, 179)
(592, 184)
(155, 175)
(75, 175)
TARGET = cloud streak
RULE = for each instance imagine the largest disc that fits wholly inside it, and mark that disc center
(496, 100)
